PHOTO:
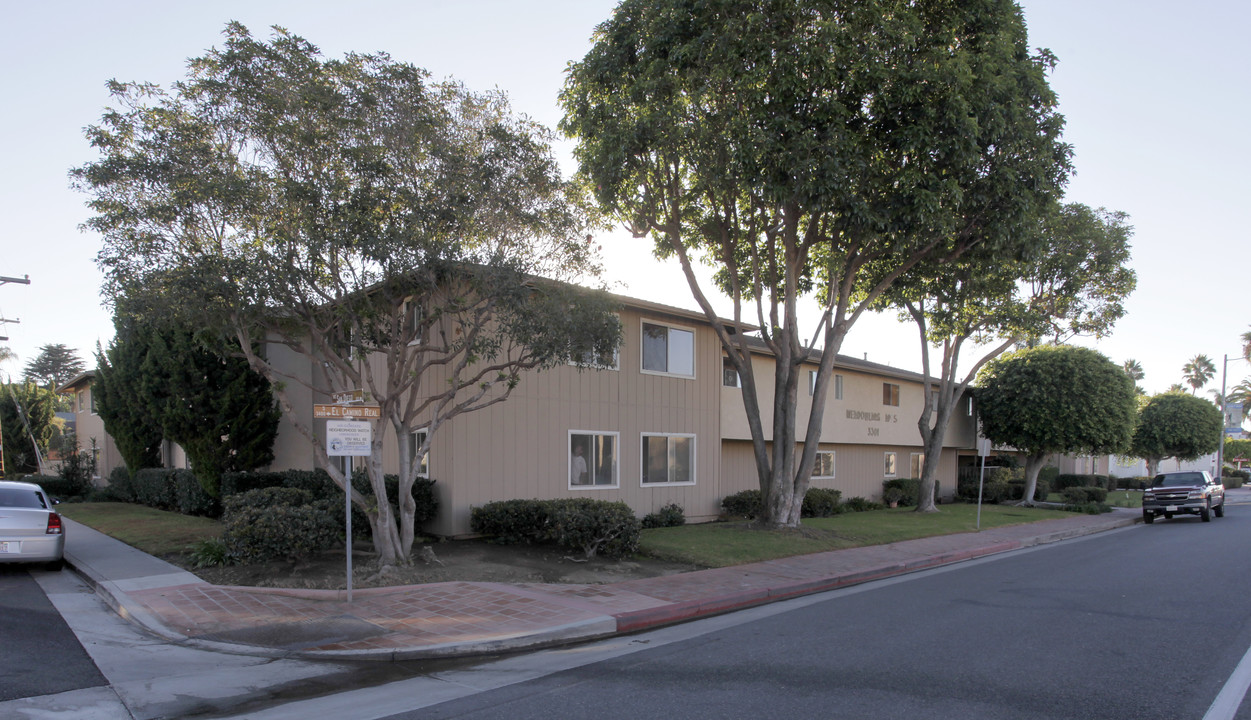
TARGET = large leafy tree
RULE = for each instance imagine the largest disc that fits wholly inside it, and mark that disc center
(1066, 278)
(53, 366)
(1198, 371)
(119, 395)
(1176, 425)
(812, 150)
(27, 412)
(398, 234)
(1056, 399)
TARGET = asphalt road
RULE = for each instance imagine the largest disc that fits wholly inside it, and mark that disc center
(1144, 623)
(39, 654)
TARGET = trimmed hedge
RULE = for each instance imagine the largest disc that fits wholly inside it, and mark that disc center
(818, 502)
(1084, 495)
(593, 526)
(57, 487)
(821, 502)
(747, 504)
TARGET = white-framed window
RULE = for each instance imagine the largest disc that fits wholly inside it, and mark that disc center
(598, 361)
(416, 315)
(889, 468)
(82, 401)
(415, 440)
(968, 406)
(823, 468)
(668, 459)
(890, 394)
(668, 350)
(593, 459)
(915, 462)
(91, 395)
(838, 387)
(729, 374)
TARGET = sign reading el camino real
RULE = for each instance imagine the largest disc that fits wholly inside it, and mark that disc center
(343, 412)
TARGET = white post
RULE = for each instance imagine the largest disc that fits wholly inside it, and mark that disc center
(1220, 453)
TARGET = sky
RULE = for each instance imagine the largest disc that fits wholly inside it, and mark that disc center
(1155, 96)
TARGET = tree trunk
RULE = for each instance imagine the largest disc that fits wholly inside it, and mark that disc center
(1033, 464)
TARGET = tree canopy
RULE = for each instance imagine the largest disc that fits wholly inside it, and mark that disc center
(118, 394)
(26, 425)
(54, 366)
(344, 209)
(1065, 276)
(1056, 399)
(1176, 425)
(812, 150)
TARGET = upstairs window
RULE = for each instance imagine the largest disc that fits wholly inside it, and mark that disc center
(668, 350)
(729, 375)
(838, 387)
(890, 394)
(415, 441)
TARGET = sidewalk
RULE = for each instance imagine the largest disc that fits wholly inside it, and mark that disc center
(471, 618)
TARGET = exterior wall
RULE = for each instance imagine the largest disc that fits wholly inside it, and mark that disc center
(858, 469)
(521, 448)
(88, 426)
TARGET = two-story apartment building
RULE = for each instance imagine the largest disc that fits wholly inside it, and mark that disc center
(661, 422)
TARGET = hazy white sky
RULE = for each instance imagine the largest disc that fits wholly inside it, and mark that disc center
(1155, 96)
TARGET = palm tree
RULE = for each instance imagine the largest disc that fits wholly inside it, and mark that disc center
(1246, 345)
(1133, 369)
(1198, 372)
(1241, 393)
(1176, 388)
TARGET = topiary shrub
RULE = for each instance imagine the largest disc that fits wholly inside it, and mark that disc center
(277, 524)
(594, 527)
(667, 516)
(746, 504)
(821, 502)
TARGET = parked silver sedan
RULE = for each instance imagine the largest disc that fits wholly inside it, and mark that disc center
(30, 528)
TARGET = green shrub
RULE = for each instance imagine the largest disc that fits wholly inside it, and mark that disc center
(510, 522)
(154, 487)
(667, 516)
(592, 526)
(746, 504)
(190, 497)
(212, 552)
(1232, 478)
(910, 487)
(277, 523)
(55, 486)
(78, 467)
(821, 502)
(859, 504)
(1089, 508)
(1068, 480)
(233, 483)
(1083, 495)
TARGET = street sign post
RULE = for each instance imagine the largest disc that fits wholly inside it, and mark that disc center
(346, 436)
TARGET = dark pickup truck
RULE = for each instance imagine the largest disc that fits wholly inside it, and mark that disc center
(1193, 493)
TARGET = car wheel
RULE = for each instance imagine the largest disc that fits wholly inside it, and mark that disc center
(1148, 517)
(1219, 510)
(1205, 513)
(1168, 516)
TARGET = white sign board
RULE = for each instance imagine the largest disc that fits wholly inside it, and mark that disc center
(348, 437)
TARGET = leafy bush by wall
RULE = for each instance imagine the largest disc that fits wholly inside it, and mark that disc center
(668, 516)
(277, 524)
(593, 526)
(821, 502)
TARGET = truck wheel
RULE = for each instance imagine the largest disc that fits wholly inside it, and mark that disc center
(1168, 516)
(1219, 510)
(1148, 517)
(1205, 513)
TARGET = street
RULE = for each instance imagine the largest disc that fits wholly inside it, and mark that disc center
(1141, 623)
(1144, 622)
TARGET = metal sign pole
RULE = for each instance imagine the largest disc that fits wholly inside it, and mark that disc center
(347, 513)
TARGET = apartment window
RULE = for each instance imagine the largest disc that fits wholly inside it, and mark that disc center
(838, 387)
(889, 468)
(812, 382)
(729, 375)
(890, 394)
(968, 406)
(598, 361)
(415, 441)
(668, 350)
(592, 459)
(416, 316)
(668, 459)
(824, 466)
(915, 463)
(94, 409)
(82, 401)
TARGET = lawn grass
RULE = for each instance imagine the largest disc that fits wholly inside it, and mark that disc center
(153, 531)
(724, 544)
